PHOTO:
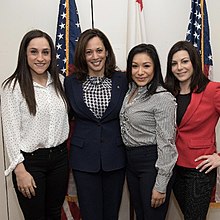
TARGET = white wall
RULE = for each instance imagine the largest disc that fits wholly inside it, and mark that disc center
(166, 23)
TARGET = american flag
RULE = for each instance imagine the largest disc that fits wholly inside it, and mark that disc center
(198, 34)
(68, 31)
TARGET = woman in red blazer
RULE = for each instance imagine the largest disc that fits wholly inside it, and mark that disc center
(198, 112)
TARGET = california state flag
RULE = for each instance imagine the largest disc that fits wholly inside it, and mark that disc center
(136, 28)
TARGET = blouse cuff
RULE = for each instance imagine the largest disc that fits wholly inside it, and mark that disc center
(14, 164)
(161, 183)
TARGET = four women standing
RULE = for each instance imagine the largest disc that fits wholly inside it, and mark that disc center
(34, 113)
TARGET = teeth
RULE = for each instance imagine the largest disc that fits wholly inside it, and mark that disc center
(39, 64)
(96, 63)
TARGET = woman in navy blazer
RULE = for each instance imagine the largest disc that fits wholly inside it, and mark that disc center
(198, 112)
(97, 156)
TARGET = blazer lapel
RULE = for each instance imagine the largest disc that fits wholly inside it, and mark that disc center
(78, 99)
(115, 96)
(194, 104)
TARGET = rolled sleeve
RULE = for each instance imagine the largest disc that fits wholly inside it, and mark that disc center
(13, 164)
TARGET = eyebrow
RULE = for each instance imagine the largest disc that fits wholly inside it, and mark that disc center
(34, 48)
(182, 58)
(98, 47)
(143, 62)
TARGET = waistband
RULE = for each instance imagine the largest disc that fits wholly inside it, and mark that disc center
(128, 148)
(192, 170)
(46, 150)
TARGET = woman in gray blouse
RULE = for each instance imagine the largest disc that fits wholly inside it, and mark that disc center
(148, 130)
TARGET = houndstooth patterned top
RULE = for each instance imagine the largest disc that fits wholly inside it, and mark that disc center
(97, 94)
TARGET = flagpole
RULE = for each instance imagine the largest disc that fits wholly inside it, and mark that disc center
(92, 13)
(67, 36)
(202, 34)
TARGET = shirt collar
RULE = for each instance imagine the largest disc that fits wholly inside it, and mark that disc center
(141, 89)
(49, 81)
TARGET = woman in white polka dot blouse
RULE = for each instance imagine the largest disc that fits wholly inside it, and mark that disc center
(35, 128)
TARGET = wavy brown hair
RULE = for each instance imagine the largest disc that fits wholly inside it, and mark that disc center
(80, 64)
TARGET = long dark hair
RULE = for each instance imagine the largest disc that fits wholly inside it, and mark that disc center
(80, 65)
(198, 81)
(151, 51)
(22, 73)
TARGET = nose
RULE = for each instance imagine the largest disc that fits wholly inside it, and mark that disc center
(40, 57)
(95, 55)
(140, 71)
(179, 66)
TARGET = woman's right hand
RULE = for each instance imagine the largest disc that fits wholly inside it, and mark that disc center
(25, 182)
(157, 198)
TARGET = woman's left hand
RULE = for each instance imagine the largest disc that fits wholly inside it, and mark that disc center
(157, 198)
(209, 162)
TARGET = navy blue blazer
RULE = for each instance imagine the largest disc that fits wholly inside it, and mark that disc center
(96, 143)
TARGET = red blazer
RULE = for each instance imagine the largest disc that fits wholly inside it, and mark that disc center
(196, 132)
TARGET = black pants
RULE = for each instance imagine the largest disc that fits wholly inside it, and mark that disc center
(49, 168)
(193, 190)
(141, 175)
(99, 193)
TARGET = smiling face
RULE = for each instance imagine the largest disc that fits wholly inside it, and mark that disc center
(182, 67)
(38, 56)
(142, 69)
(96, 57)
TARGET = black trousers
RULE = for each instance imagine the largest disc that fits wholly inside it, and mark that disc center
(49, 168)
(141, 175)
(99, 194)
(193, 190)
